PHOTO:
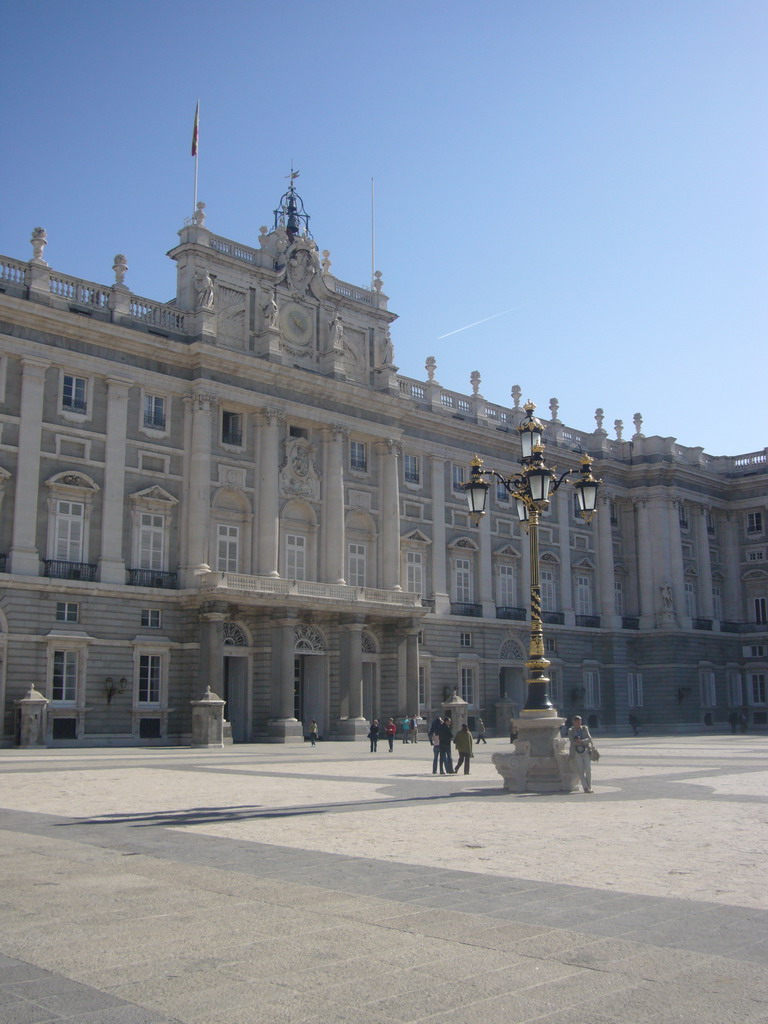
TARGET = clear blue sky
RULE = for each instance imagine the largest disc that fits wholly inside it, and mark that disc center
(597, 167)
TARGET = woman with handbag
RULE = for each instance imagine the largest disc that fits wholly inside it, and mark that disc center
(581, 741)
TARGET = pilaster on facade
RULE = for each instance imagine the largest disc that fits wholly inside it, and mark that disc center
(389, 503)
(112, 561)
(25, 557)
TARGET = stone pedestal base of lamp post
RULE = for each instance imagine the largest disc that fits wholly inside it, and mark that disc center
(539, 762)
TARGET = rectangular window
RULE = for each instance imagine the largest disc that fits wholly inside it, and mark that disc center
(502, 494)
(682, 514)
(411, 469)
(613, 513)
(709, 519)
(635, 689)
(68, 534)
(150, 667)
(707, 689)
(356, 565)
(151, 541)
(414, 572)
(690, 599)
(555, 687)
(592, 688)
(468, 685)
(358, 456)
(717, 603)
(227, 548)
(507, 591)
(735, 688)
(583, 595)
(422, 686)
(150, 618)
(618, 597)
(465, 639)
(550, 645)
(757, 555)
(548, 590)
(64, 683)
(231, 428)
(295, 557)
(463, 576)
(754, 522)
(761, 611)
(154, 412)
(457, 477)
(757, 690)
(67, 611)
(74, 394)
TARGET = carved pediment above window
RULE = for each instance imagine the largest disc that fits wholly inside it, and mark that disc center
(416, 537)
(72, 485)
(154, 496)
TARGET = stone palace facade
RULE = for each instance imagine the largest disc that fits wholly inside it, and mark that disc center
(237, 489)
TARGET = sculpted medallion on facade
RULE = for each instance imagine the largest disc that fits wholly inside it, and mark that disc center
(298, 475)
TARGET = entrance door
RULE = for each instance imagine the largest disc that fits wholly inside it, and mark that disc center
(370, 698)
(512, 685)
(309, 691)
(236, 696)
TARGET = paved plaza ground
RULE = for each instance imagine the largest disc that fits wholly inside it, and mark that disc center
(292, 885)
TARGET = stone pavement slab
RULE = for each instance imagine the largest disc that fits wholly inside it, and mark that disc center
(263, 884)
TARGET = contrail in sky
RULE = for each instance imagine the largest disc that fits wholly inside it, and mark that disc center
(475, 324)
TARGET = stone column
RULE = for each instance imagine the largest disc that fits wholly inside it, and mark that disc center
(332, 525)
(439, 583)
(25, 558)
(389, 515)
(704, 562)
(199, 490)
(211, 667)
(111, 561)
(605, 563)
(647, 608)
(283, 726)
(677, 569)
(733, 610)
(564, 498)
(412, 670)
(354, 726)
(267, 522)
(486, 569)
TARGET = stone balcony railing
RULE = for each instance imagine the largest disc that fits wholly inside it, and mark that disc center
(271, 586)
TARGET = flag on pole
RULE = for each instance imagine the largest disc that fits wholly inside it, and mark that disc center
(196, 129)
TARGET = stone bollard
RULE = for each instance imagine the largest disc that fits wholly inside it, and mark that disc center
(208, 720)
(33, 713)
(456, 709)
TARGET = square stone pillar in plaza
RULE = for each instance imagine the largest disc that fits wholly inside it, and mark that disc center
(208, 720)
(33, 712)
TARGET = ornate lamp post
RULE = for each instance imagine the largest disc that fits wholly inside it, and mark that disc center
(530, 490)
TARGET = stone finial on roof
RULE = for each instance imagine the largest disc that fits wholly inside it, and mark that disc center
(637, 419)
(517, 393)
(39, 241)
(554, 408)
(120, 268)
(430, 366)
(618, 426)
(474, 379)
(378, 283)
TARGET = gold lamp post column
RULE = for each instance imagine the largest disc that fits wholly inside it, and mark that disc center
(537, 763)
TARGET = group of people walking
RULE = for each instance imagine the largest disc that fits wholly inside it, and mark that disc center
(409, 725)
(442, 738)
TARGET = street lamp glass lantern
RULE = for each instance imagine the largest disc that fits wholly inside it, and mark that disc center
(522, 510)
(586, 489)
(538, 483)
(476, 489)
(531, 431)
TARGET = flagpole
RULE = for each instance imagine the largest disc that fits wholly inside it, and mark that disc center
(195, 154)
(373, 236)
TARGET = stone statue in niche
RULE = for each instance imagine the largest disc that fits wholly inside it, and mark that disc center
(388, 353)
(336, 336)
(204, 290)
(270, 311)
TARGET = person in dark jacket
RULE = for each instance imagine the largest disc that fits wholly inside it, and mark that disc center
(373, 735)
(446, 735)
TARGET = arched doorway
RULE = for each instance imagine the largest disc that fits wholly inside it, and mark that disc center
(371, 700)
(511, 682)
(236, 689)
(310, 686)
